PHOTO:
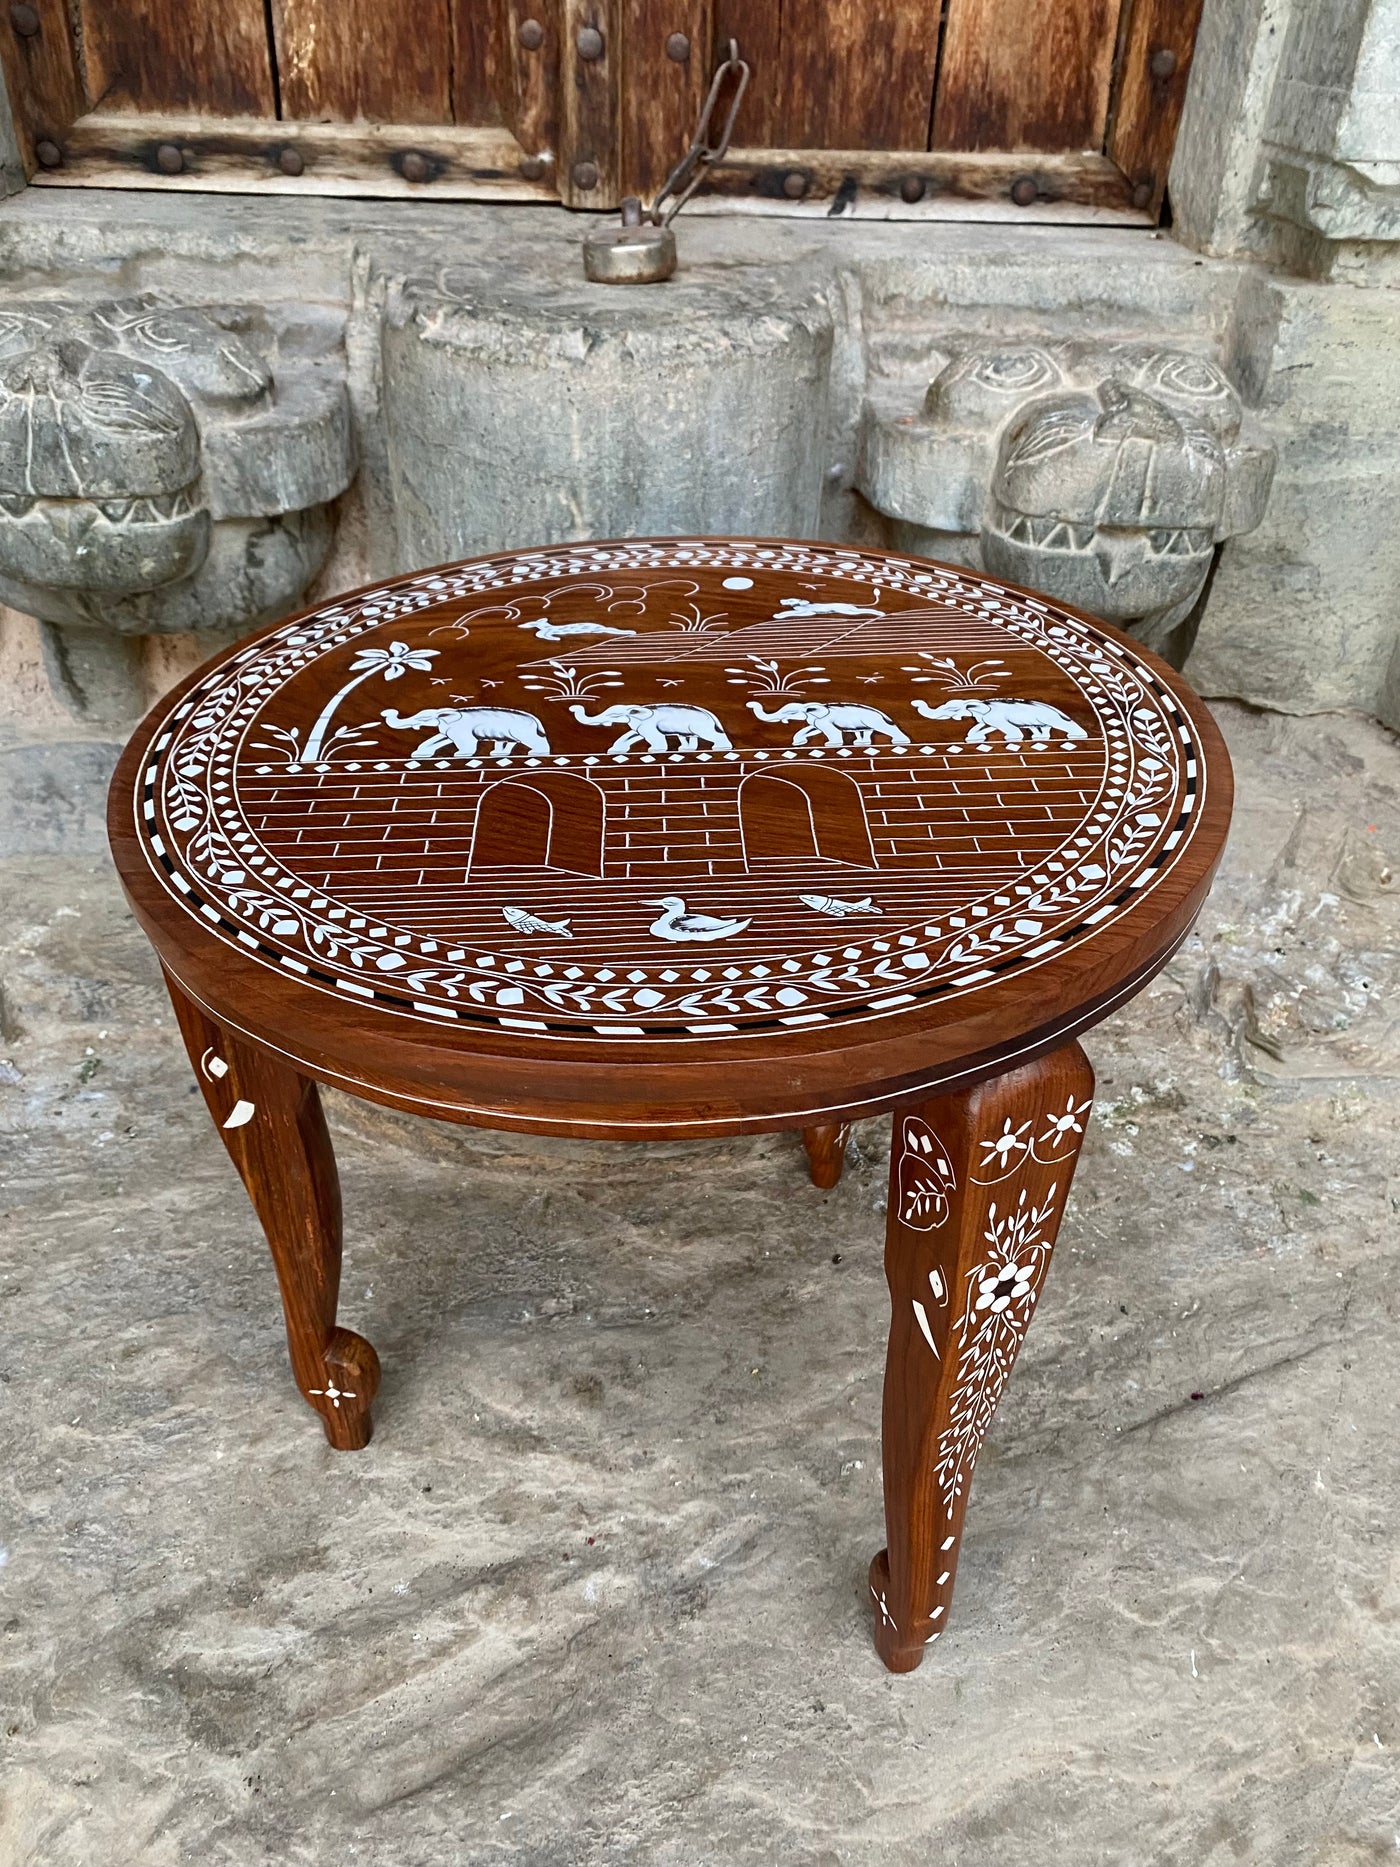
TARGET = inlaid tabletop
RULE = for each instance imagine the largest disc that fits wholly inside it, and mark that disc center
(666, 799)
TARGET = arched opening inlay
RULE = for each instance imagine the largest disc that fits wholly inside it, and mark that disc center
(548, 821)
(811, 814)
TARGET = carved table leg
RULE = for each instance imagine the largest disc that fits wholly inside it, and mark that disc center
(269, 1118)
(826, 1151)
(978, 1182)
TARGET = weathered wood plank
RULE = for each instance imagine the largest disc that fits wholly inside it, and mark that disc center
(245, 156)
(480, 62)
(922, 184)
(758, 30)
(857, 74)
(1025, 74)
(533, 113)
(1152, 72)
(41, 77)
(589, 87)
(353, 61)
(507, 61)
(175, 55)
(661, 94)
(835, 74)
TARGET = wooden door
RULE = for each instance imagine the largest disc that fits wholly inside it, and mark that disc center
(1043, 109)
(453, 97)
(1025, 107)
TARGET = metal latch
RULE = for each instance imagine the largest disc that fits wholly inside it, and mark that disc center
(642, 251)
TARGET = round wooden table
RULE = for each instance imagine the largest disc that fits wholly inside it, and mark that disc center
(679, 837)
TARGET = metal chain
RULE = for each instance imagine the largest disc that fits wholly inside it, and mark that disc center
(689, 172)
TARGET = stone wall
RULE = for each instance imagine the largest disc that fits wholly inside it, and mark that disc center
(1289, 152)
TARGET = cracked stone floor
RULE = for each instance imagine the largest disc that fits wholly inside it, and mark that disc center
(596, 1594)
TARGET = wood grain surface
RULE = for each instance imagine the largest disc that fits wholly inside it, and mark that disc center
(589, 170)
(825, 1147)
(242, 157)
(353, 61)
(41, 79)
(841, 115)
(480, 68)
(170, 55)
(498, 78)
(661, 97)
(836, 74)
(759, 31)
(484, 164)
(1025, 74)
(1150, 97)
(860, 176)
(270, 1120)
(858, 74)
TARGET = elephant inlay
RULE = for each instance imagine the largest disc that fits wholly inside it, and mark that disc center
(1013, 719)
(465, 729)
(831, 721)
(655, 726)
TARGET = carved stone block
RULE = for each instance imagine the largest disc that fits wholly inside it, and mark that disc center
(164, 468)
(518, 413)
(1103, 474)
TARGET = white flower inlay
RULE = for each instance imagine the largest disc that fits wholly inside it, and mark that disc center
(1008, 1146)
(1060, 1127)
(1004, 1286)
(1001, 1294)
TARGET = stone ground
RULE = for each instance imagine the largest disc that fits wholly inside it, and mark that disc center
(596, 1593)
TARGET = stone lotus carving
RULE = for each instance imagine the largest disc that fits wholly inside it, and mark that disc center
(165, 468)
(1103, 474)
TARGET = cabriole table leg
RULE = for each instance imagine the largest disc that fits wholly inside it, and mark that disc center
(269, 1118)
(826, 1151)
(978, 1182)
